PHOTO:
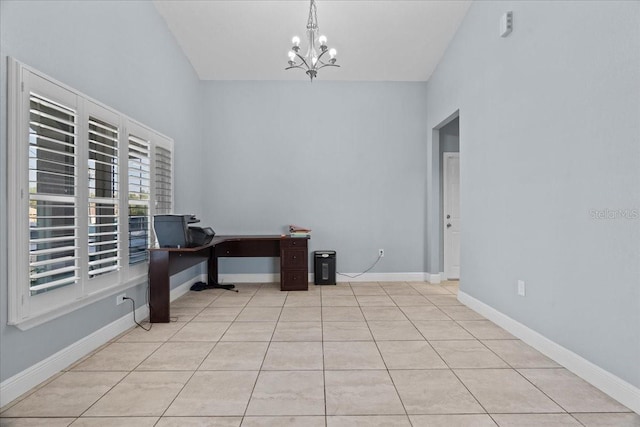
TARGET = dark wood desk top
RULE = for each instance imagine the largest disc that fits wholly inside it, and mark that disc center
(221, 239)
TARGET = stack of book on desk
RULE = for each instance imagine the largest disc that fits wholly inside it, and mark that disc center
(297, 231)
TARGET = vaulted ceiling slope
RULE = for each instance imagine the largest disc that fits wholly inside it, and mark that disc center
(393, 40)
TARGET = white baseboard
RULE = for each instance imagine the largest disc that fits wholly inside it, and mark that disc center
(22, 382)
(13, 387)
(610, 384)
(383, 277)
(367, 277)
(433, 277)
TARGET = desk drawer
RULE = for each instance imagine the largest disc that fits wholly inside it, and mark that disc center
(293, 259)
(294, 242)
(296, 280)
(248, 248)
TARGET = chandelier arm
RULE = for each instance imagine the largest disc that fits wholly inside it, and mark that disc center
(302, 59)
(295, 66)
(327, 65)
(322, 54)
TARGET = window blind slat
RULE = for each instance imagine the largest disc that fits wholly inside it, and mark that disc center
(54, 284)
(53, 250)
(104, 270)
(53, 272)
(42, 126)
(102, 243)
(39, 100)
(103, 261)
(51, 117)
(103, 252)
(52, 261)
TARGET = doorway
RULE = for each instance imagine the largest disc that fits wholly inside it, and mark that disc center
(448, 152)
(451, 215)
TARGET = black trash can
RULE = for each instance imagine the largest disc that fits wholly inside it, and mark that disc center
(324, 267)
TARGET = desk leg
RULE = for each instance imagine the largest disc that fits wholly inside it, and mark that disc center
(213, 268)
(213, 273)
(159, 287)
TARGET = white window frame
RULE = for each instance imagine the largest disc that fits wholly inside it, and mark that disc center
(26, 310)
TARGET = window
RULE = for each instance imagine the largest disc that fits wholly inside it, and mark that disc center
(84, 182)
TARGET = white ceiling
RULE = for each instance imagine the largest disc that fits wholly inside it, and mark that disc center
(394, 40)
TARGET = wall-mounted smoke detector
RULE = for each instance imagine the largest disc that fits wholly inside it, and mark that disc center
(506, 24)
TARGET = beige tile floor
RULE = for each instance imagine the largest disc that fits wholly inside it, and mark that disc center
(351, 355)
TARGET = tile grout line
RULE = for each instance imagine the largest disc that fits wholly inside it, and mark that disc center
(395, 387)
(266, 352)
(324, 365)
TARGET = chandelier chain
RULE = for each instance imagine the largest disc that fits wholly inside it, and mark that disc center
(312, 22)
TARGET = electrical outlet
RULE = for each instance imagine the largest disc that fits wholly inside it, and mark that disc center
(521, 288)
(380, 253)
(120, 299)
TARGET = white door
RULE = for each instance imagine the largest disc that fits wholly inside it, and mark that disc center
(451, 215)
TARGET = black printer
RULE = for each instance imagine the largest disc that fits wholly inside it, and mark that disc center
(174, 231)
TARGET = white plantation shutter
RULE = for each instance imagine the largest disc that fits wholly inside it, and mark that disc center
(103, 233)
(139, 183)
(53, 215)
(163, 170)
(84, 182)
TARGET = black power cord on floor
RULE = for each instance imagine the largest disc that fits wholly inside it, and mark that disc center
(133, 310)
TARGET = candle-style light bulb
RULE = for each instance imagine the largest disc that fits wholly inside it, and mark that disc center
(333, 53)
(292, 56)
(296, 41)
(322, 40)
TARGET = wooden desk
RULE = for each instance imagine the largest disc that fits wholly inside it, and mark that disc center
(165, 262)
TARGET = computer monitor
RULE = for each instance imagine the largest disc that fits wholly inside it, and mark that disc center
(172, 230)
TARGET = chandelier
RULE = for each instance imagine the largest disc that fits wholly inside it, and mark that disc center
(312, 61)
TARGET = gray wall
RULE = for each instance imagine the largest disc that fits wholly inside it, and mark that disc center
(346, 159)
(549, 125)
(98, 48)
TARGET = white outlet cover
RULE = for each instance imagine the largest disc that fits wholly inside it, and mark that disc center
(506, 24)
(521, 288)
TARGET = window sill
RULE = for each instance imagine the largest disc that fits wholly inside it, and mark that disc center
(42, 318)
